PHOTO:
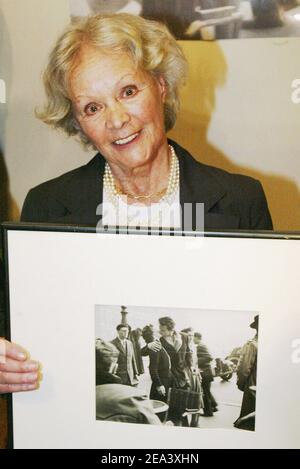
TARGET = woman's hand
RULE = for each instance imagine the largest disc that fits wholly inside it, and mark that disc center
(17, 372)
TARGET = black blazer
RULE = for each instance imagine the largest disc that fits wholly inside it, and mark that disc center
(231, 201)
(126, 370)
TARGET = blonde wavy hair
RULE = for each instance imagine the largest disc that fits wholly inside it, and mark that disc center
(151, 45)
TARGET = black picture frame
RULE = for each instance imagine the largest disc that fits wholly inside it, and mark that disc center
(48, 227)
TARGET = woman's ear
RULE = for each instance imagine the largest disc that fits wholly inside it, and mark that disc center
(75, 124)
(162, 87)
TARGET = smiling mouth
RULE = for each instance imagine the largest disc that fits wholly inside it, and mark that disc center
(123, 141)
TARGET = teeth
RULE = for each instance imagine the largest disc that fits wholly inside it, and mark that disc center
(126, 140)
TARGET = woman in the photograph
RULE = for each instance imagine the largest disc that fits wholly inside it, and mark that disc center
(176, 345)
(194, 378)
(159, 367)
(113, 81)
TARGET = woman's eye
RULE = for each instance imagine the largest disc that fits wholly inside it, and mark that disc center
(91, 109)
(130, 91)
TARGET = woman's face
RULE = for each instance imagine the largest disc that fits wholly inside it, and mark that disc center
(164, 331)
(118, 107)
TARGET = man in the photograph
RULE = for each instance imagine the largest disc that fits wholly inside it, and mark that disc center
(114, 401)
(204, 359)
(127, 369)
(246, 381)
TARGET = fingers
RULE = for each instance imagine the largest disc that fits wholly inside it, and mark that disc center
(17, 382)
(156, 347)
(11, 350)
(17, 372)
(13, 366)
(8, 388)
(18, 378)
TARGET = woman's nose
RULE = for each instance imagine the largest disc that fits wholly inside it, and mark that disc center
(116, 116)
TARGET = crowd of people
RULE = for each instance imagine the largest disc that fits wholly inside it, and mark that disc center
(181, 372)
(179, 367)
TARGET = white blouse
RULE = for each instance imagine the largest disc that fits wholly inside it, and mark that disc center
(166, 214)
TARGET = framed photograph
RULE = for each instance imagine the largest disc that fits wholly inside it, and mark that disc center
(155, 341)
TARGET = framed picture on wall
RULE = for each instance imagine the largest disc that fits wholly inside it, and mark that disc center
(206, 19)
(194, 339)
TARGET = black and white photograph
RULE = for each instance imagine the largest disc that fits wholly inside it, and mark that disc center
(206, 19)
(176, 367)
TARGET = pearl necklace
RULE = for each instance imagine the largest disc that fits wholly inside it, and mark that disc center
(173, 182)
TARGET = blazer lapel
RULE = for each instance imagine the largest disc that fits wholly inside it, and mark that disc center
(197, 185)
(119, 346)
(84, 194)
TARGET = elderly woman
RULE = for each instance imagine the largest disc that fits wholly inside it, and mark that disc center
(113, 81)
